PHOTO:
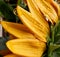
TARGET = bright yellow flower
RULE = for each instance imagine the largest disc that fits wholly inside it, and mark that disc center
(32, 34)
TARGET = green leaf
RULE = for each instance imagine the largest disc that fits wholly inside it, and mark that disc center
(7, 12)
(55, 54)
(57, 33)
(54, 42)
(53, 47)
(22, 4)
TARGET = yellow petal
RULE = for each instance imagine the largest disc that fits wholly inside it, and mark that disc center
(32, 24)
(37, 14)
(11, 55)
(54, 4)
(47, 10)
(26, 47)
(59, 11)
(16, 30)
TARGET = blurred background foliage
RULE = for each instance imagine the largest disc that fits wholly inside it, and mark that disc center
(7, 9)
